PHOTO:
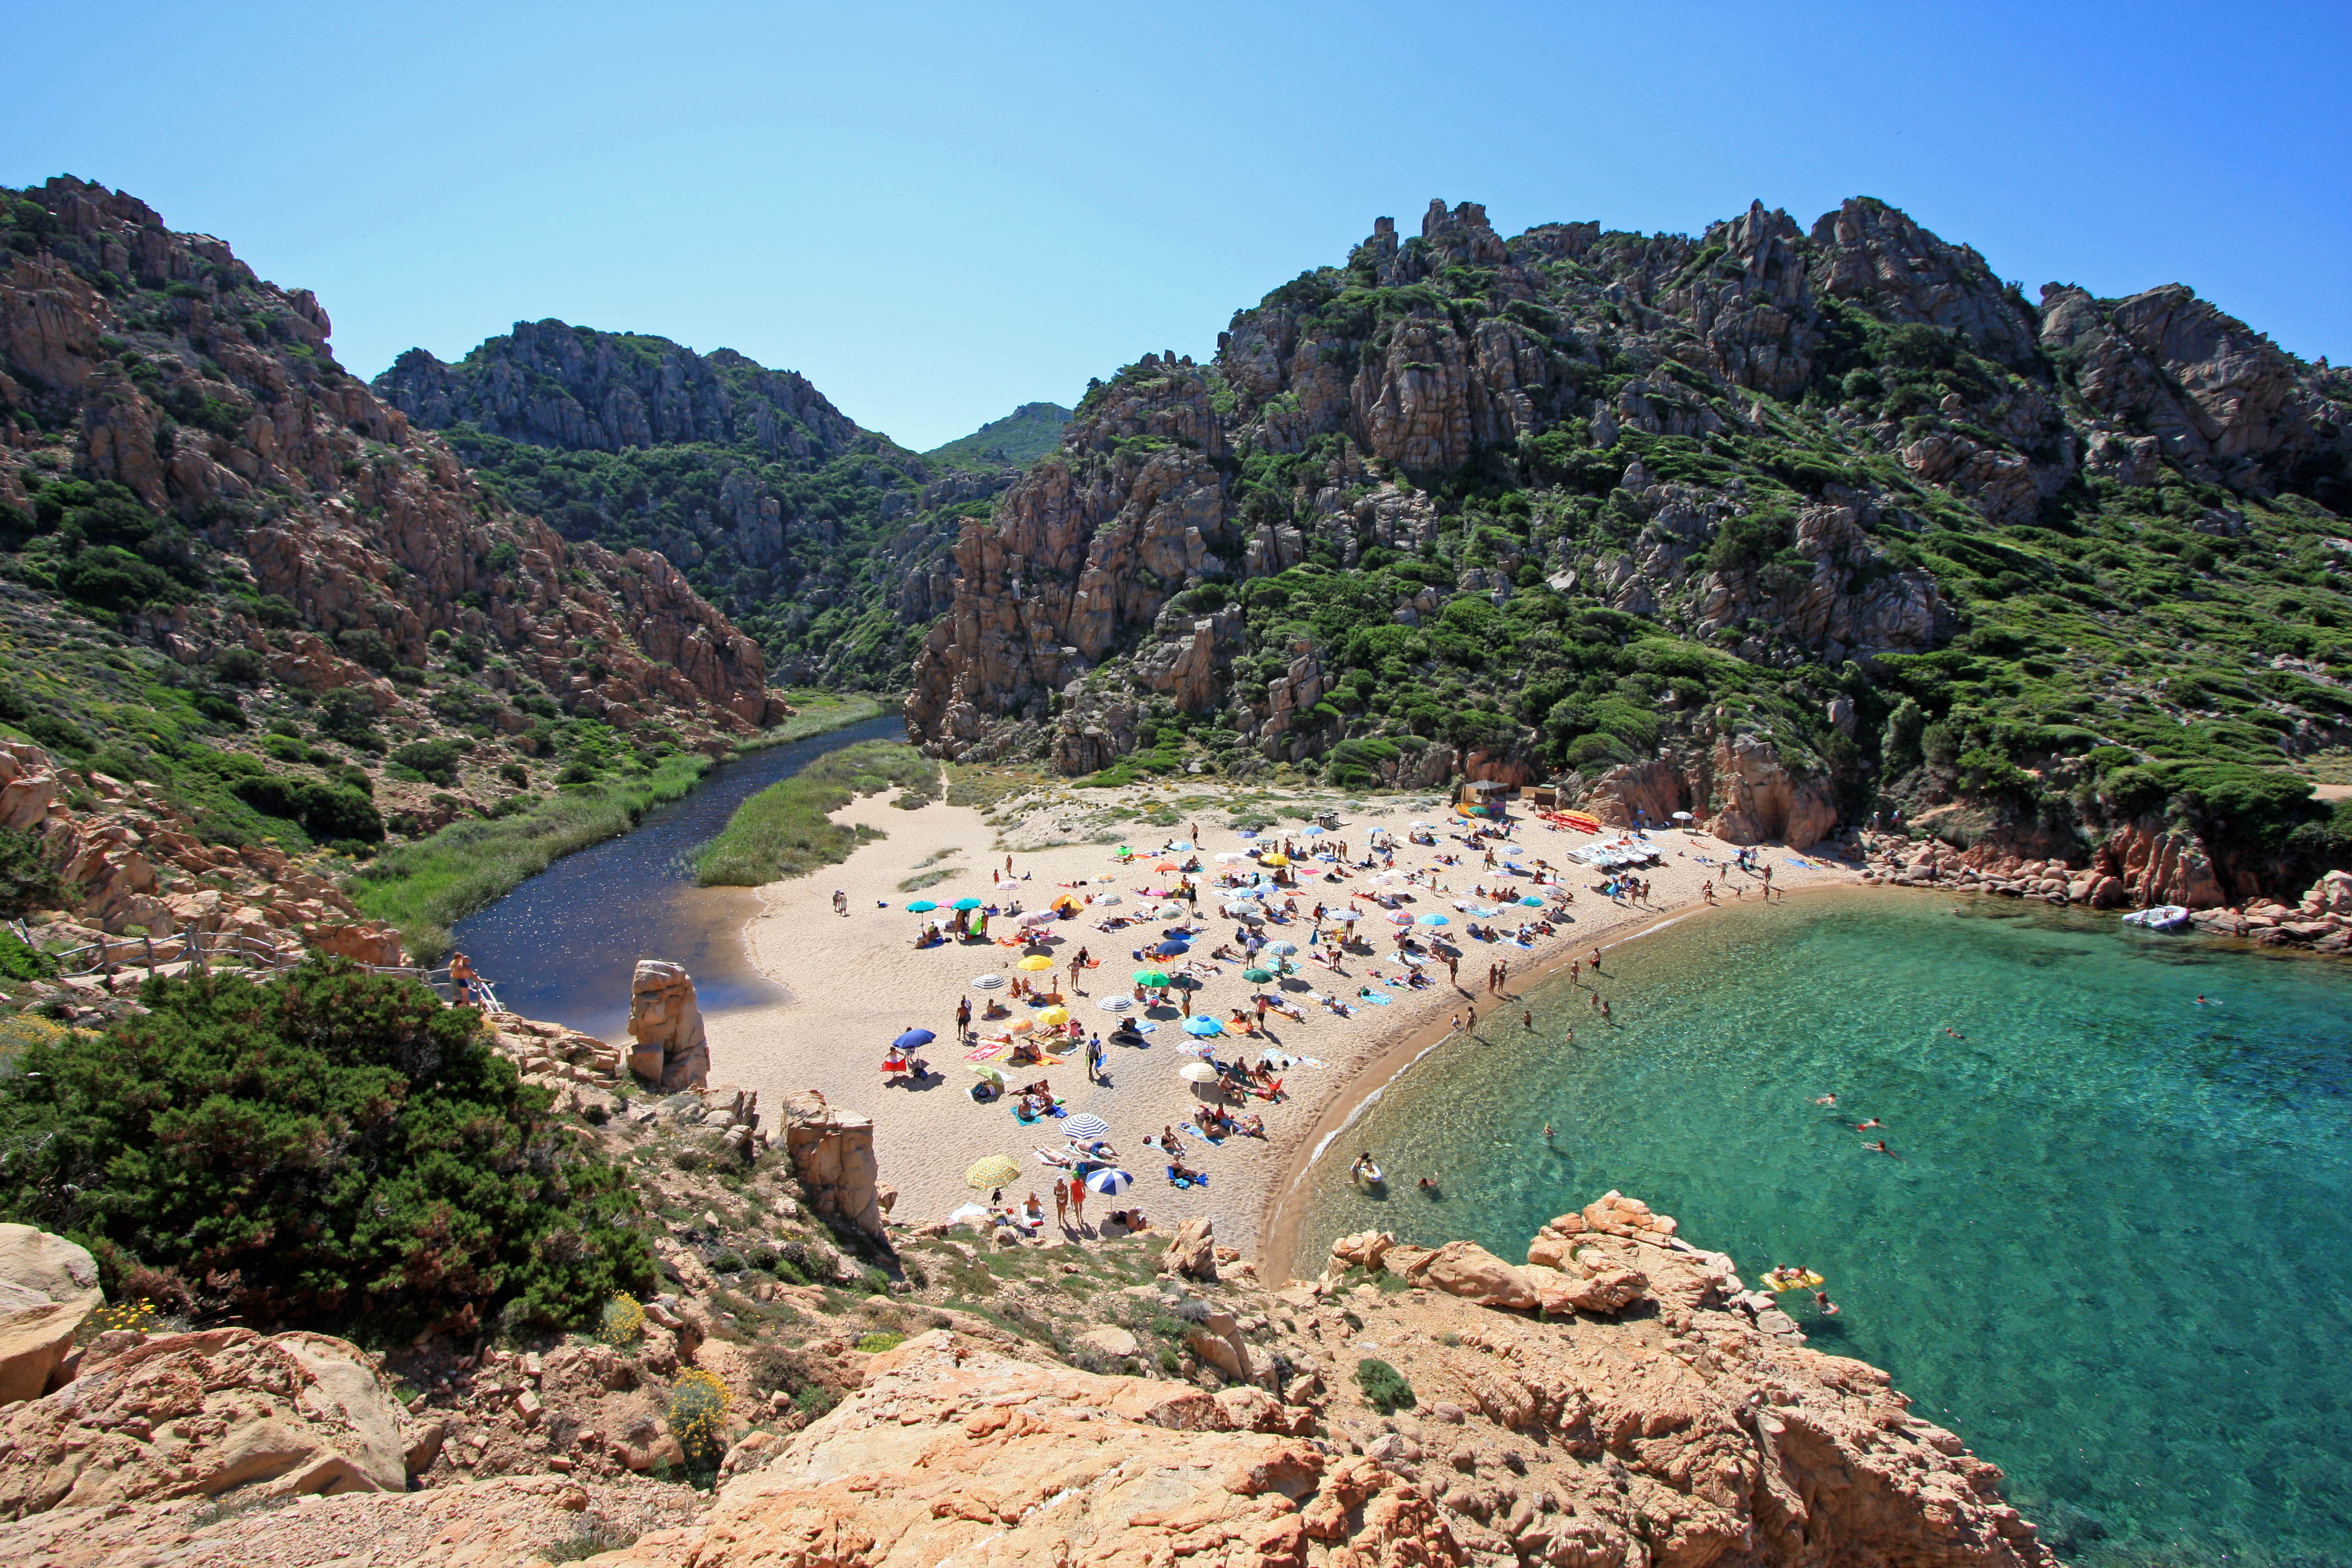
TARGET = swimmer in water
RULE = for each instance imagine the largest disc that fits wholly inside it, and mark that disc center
(1954, 1033)
(2204, 1001)
(1829, 1309)
(1428, 1185)
(1825, 1099)
(1865, 1126)
(1880, 1148)
(1547, 1131)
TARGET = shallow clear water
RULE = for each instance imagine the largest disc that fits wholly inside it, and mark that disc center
(2112, 1253)
(564, 945)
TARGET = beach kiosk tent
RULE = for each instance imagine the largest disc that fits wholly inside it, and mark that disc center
(1483, 797)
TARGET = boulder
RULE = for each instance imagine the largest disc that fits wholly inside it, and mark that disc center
(672, 1052)
(1466, 1270)
(33, 1344)
(58, 1269)
(832, 1152)
(1191, 1252)
(1362, 1250)
(199, 1413)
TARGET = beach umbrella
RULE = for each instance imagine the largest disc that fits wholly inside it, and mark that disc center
(1346, 916)
(1086, 1124)
(1682, 817)
(1020, 1026)
(986, 982)
(1170, 949)
(1531, 901)
(995, 1171)
(1197, 1072)
(1038, 918)
(1053, 1016)
(1035, 963)
(1152, 977)
(965, 904)
(1109, 1181)
(1231, 854)
(922, 906)
(1116, 1004)
(1285, 947)
(989, 1071)
(1434, 919)
(1069, 901)
(913, 1037)
(1201, 1024)
(1313, 832)
(1399, 919)
(1167, 866)
(1258, 976)
(1180, 846)
(1274, 858)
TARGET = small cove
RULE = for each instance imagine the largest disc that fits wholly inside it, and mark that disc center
(562, 945)
(2112, 1253)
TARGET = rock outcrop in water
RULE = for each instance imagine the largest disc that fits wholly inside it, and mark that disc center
(672, 1051)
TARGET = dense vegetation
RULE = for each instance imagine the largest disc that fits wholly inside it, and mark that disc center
(331, 1147)
(786, 829)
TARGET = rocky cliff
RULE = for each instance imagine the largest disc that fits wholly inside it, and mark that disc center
(817, 536)
(183, 454)
(1622, 1401)
(1587, 503)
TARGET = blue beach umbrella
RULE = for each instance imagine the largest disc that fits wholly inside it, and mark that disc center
(922, 906)
(1203, 1026)
(913, 1037)
(1109, 1181)
(1433, 920)
(1531, 901)
(1170, 949)
(965, 904)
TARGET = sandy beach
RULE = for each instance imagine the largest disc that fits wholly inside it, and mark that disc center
(852, 982)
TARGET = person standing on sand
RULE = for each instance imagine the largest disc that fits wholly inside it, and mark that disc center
(1094, 1058)
(963, 1018)
(1453, 971)
(1062, 1201)
(1078, 1205)
(841, 903)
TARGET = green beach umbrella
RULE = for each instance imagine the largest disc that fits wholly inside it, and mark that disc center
(1150, 977)
(965, 904)
(1258, 976)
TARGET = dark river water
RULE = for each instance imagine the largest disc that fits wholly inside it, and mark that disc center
(562, 945)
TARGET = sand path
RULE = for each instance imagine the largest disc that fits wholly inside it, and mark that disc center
(853, 982)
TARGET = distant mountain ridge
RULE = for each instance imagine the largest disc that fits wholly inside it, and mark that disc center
(1018, 439)
(817, 537)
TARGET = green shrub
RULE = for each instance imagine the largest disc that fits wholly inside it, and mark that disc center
(27, 880)
(324, 811)
(435, 760)
(1385, 1387)
(881, 1340)
(332, 1148)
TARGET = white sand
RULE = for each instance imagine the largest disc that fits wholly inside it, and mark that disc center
(853, 983)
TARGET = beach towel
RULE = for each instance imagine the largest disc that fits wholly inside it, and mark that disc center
(1213, 1143)
(1800, 865)
(1374, 997)
(985, 1050)
(1176, 1181)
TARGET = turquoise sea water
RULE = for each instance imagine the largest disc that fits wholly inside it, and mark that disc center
(2115, 1254)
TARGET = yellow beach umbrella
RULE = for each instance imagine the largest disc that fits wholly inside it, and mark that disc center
(1019, 1025)
(991, 1172)
(1276, 858)
(1052, 1016)
(1035, 963)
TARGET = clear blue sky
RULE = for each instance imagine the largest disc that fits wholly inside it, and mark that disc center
(938, 211)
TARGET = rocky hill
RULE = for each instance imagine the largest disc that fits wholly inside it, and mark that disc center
(817, 537)
(247, 607)
(1017, 440)
(1782, 526)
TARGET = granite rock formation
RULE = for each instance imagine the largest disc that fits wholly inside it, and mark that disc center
(832, 1152)
(672, 1052)
(158, 361)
